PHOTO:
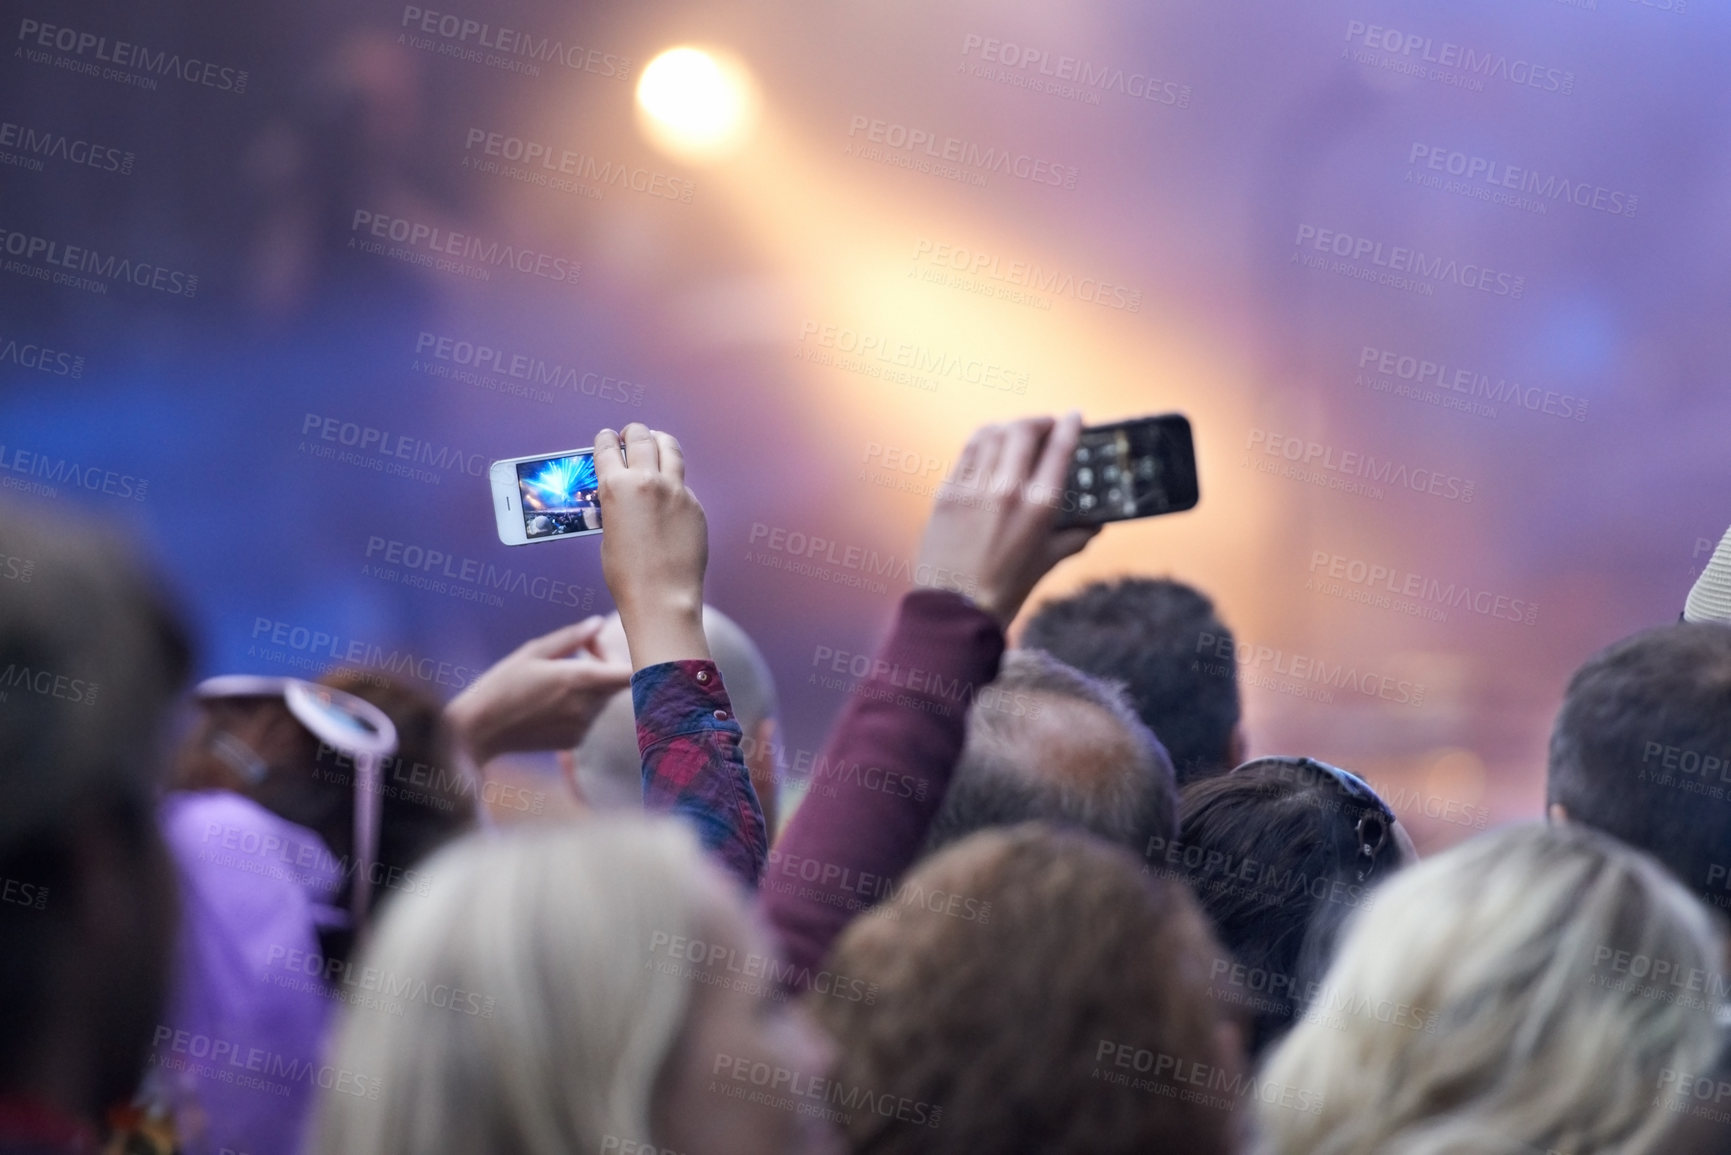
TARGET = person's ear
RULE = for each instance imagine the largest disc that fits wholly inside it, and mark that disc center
(1557, 814)
(277, 729)
(277, 741)
(1403, 841)
(1236, 747)
(197, 766)
(1229, 1038)
(568, 770)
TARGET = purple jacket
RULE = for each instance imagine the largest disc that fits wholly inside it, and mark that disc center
(238, 1057)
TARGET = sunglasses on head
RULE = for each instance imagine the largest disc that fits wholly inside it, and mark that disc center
(349, 725)
(1372, 828)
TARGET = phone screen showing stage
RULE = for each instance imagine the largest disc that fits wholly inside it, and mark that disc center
(559, 495)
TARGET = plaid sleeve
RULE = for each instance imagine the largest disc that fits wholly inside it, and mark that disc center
(692, 764)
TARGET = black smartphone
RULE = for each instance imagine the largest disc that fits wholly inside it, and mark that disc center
(1139, 468)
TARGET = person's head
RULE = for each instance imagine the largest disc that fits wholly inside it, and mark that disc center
(1048, 743)
(253, 745)
(591, 1007)
(1163, 640)
(90, 662)
(1642, 751)
(606, 769)
(251, 739)
(1487, 1001)
(1036, 990)
(1279, 851)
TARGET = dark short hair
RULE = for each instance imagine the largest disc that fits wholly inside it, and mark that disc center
(1272, 850)
(1033, 1025)
(1127, 796)
(1642, 750)
(1163, 640)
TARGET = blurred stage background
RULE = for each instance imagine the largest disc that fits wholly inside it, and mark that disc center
(1469, 260)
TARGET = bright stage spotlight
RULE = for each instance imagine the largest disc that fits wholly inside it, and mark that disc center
(696, 104)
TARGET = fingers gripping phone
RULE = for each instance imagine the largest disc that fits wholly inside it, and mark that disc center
(1140, 468)
(546, 498)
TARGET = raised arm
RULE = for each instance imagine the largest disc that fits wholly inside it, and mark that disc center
(889, 759)
(653, 554)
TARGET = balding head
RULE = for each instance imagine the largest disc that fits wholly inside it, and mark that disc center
(1048, 743)
(609, 768)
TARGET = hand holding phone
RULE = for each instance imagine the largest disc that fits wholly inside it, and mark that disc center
(1140, 468)
(991, 535)
(656, 546)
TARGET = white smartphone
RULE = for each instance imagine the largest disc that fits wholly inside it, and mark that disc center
(547, 497)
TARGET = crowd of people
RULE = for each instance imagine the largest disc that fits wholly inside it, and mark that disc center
(1037, 899)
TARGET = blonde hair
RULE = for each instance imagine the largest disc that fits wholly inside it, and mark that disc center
(1487, 1002)
(513, 1005)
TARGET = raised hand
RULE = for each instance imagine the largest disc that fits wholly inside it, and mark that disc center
(655, 545)
(542, 696)
(990, 535)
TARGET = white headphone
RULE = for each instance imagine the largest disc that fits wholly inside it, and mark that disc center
(340, 720)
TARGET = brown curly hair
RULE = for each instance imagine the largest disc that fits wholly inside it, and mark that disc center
(1037, 990)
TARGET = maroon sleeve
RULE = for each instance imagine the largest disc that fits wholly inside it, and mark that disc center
(881, 777)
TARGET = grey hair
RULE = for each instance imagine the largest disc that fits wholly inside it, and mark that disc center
(1509, 1025)
(554, 1027)
(1002, 778)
